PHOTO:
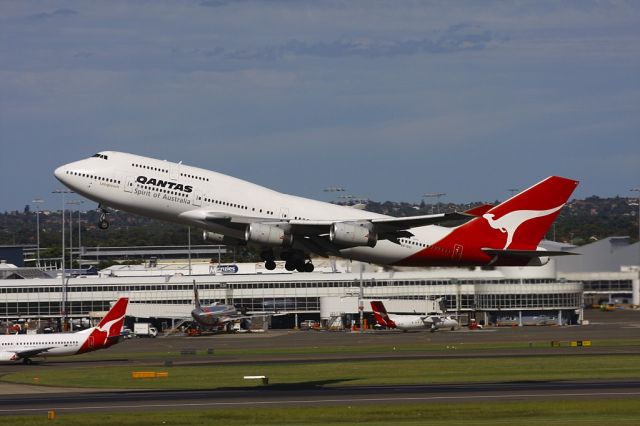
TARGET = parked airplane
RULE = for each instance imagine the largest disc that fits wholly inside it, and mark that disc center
(218, 315)
(236, 212)
(23, 347)
(410, 322)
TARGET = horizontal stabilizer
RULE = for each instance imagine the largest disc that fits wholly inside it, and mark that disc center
(479, 210)
(526, 253)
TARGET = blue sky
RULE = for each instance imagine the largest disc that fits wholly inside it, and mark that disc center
(389, 99)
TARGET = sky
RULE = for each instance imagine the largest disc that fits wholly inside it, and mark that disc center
(388, 99)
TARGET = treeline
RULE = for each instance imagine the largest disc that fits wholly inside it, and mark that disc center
(580, 222)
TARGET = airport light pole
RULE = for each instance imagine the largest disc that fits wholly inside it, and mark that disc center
(334, 189)
(79, 240)
(189, 242)
(37, 202)
(513, 191)
(73, 203)
(63, 308)
(437, 196)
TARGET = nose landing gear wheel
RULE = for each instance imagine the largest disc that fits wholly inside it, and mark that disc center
(104, 224)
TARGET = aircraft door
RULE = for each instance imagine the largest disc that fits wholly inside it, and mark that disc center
(284, 214)
(197, 198)
(128, 184)
(457, 252)
(90, 342)
(174, 171)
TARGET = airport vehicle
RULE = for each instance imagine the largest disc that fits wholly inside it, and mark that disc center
(144, 329)
(219, 315)
(236, 212)
(26, 346)
(411, 322)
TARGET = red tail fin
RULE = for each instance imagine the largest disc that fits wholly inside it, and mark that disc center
(113, 321)
(521, 222)
(516, 224)
(380, 313)
(107, 332)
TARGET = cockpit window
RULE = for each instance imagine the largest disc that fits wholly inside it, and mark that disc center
(104, 157)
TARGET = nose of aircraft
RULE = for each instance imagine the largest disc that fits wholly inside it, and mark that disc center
(60, 172)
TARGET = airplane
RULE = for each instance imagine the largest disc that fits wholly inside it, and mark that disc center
(219, 315)
(23, 347)
(410, 322)
(236, 212)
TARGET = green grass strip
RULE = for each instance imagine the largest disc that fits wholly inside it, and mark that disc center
(522, 413)
(342, 373)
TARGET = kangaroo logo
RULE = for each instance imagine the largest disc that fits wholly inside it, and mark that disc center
(107, 326)
(510, 222)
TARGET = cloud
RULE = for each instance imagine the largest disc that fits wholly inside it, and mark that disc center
(458, 38)
(55, 14)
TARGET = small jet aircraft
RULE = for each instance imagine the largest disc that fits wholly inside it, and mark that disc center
(220, 315)
(23, 347)
(411, 322)
(235, 212)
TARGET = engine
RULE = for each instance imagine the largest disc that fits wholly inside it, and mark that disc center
(8, 356)
(219, 238)
(352, 234)
(212, 236)
(268, 234)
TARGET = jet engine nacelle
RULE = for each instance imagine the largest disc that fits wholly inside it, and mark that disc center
(212, 236)
(219, 238)
(8, 356)
(268, 234)
(352, 234)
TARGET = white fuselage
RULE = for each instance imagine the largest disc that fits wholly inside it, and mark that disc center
(59, 344)
(418, 322)
(173, 192)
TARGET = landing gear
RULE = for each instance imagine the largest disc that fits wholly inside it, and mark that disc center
(27, 361)
(104, 223)
(269, 259)
(294, 260)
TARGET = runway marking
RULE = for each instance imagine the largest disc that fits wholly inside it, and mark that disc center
(317, 401)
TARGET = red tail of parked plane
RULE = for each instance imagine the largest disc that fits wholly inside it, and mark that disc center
(380, 313)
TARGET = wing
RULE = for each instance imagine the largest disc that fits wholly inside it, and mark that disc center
(387, 227)
(28, 353)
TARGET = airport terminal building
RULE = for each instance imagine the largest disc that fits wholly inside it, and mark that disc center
(163, 292)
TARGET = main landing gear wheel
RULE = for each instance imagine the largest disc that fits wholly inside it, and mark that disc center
(104, 223)
(308, 267)
(270, 265)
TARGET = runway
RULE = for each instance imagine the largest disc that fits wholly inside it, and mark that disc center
(314, 394)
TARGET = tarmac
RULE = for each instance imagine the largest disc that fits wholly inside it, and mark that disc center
(616, 325)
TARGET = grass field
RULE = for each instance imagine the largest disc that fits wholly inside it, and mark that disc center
(253, 353)
(343, 373)
(523, 413)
